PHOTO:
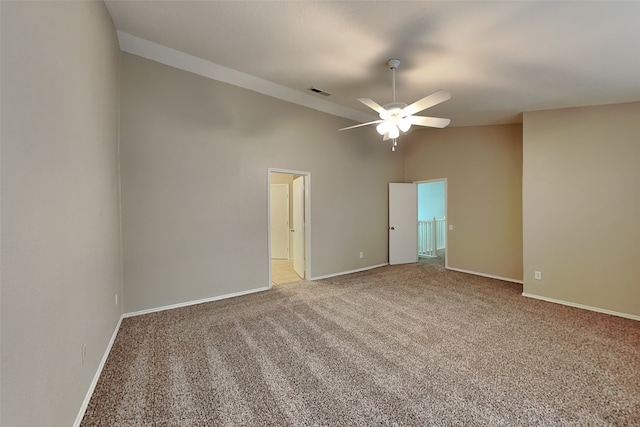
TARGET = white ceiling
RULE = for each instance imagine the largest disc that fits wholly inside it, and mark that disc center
(497, 59)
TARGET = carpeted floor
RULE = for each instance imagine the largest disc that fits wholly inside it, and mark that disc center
(398, 345)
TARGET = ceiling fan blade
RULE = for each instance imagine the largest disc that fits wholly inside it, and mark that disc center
(428, 101)
(361, 124)
(373, 105)
(434, 122)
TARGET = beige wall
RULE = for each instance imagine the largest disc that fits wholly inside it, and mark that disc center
(483, 167)
(60, 209)
(282, 178)
(194, 159)
(581, 198)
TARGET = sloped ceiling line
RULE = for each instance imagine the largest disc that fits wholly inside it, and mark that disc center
(174, 58)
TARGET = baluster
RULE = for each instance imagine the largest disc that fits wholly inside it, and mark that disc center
(434, 239)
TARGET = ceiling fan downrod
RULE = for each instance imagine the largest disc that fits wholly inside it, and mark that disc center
(393, 64)
(393, 118)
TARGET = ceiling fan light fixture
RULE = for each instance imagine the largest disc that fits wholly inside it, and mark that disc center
(404, 124)
(382, 128)
(393, 131)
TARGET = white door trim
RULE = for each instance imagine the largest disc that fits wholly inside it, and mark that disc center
(307, 217)
(298, 239)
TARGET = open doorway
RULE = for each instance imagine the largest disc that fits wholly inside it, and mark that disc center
(289, 226)
(280, 220)
(432, 221)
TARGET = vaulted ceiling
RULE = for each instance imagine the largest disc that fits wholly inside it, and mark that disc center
(498, 59)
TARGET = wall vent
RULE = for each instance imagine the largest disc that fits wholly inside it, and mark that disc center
(318, 91)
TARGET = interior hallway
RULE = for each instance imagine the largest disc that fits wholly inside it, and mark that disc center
(282, 272)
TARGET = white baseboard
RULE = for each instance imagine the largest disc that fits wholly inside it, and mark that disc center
(92, 387)
(188, 303)
(342, 273)
(237, 294)
(94, 382)
(490, 276)
(584, 307)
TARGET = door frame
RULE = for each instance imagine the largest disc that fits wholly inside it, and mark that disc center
(446, 214)
(297, 239)
(307, 218)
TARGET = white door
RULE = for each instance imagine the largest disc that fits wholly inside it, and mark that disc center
(298, 226)
(279, 210)
(403, 223)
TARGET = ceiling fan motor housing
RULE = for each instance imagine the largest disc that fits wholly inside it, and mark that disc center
(394, 108)
(393, 63)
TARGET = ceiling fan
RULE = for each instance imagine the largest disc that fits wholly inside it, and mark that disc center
(397, 116)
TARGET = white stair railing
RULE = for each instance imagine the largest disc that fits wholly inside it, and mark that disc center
(431, 237)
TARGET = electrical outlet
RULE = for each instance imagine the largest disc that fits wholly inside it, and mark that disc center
(84, 353)
(361, 254)
(116, 300)
(537, 275)
(450, 226)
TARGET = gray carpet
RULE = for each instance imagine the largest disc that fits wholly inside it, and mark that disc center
(398, 345)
